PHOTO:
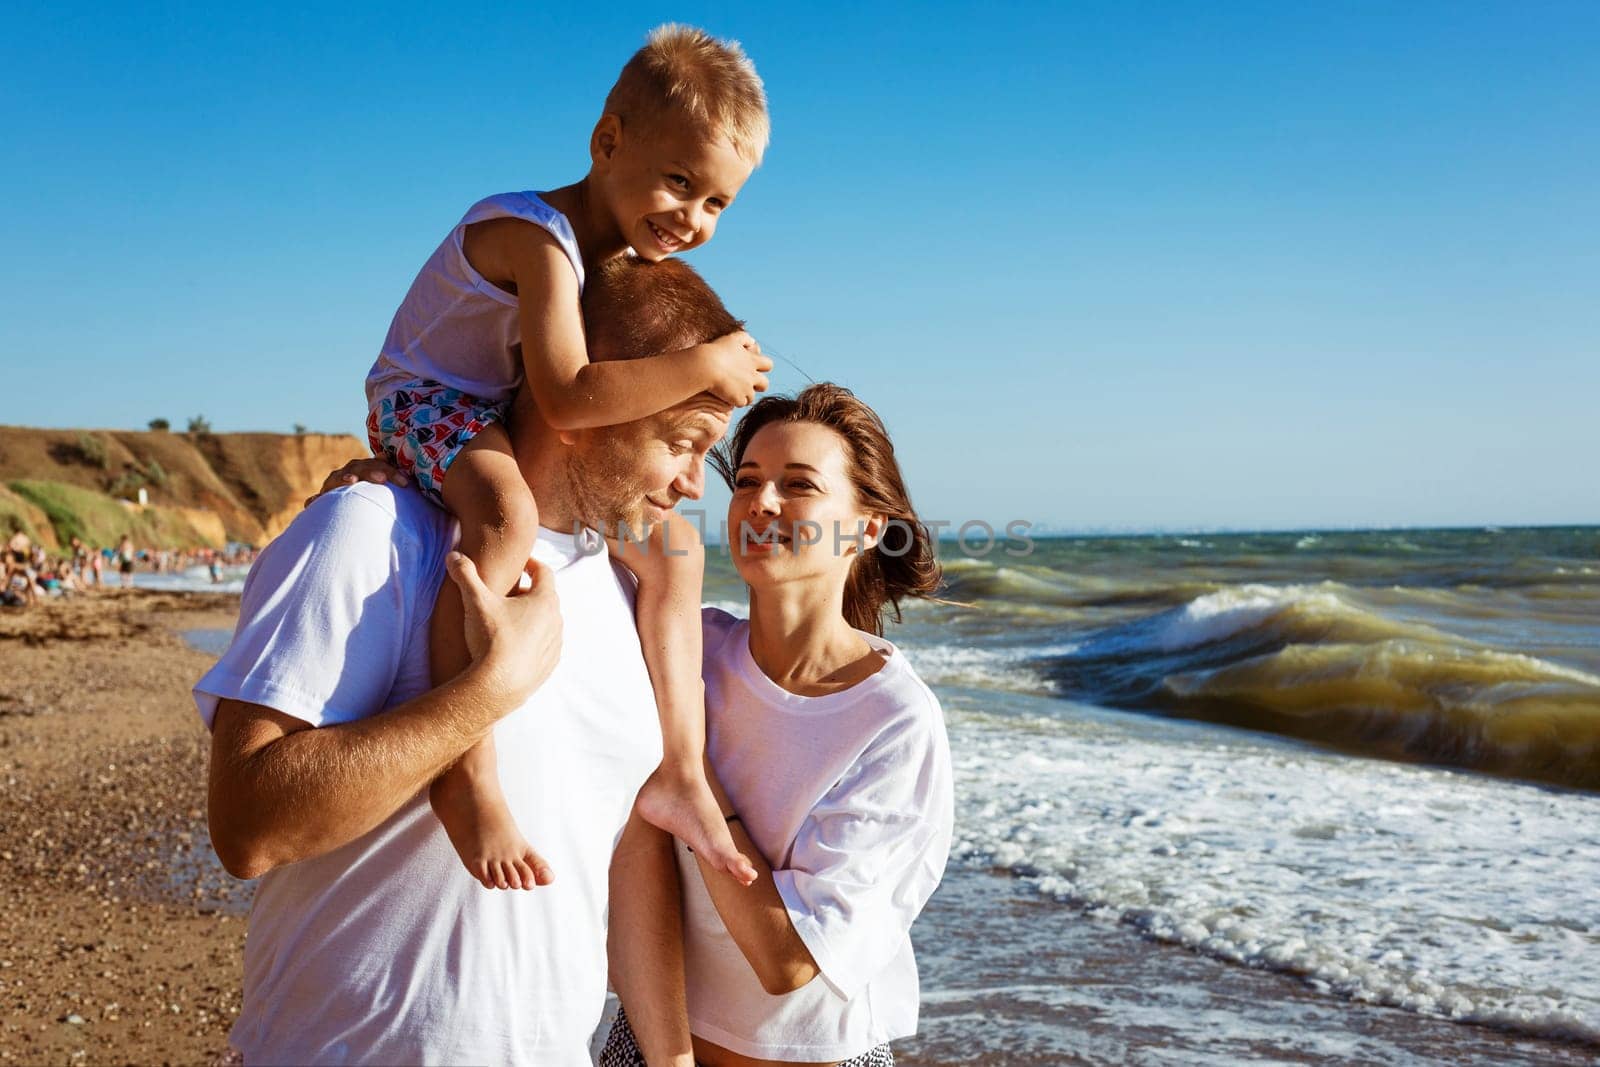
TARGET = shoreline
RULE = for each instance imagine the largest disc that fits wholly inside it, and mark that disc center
(115, 916)
(1009, 977)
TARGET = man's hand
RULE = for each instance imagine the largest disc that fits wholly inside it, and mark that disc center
(375, 470)
(517, 637)
(738, 369)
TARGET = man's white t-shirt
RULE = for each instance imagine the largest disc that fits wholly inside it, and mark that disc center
(849, 797)
(386, 950)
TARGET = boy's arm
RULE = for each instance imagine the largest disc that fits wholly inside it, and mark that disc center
(644, 943)
(282, 791)
(572, 392)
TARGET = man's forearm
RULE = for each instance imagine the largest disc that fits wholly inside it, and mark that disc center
(645, 943)
(279, 797)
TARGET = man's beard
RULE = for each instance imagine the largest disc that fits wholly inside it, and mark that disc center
(604, 487)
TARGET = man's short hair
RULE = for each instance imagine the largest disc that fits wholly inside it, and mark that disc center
(687, 74)
(633, 308)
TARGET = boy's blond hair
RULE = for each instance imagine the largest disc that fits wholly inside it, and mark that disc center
(685, 72)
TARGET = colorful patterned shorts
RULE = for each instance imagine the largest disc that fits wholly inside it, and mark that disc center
(421, 426)
(622, 1049)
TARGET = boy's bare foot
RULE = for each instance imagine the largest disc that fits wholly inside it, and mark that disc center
(682, 804)
(485, 836)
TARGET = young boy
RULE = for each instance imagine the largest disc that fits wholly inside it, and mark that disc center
(498, 303)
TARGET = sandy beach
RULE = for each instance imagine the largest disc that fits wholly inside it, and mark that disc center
(109, 951)
(121, 940)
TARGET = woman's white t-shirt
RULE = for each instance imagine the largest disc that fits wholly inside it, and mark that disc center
(849, 798)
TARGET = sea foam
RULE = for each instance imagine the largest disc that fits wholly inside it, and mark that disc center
(1433, 891)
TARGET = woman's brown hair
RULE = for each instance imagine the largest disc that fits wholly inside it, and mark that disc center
(903, 563)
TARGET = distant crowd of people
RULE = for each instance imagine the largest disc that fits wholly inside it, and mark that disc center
(31, 571)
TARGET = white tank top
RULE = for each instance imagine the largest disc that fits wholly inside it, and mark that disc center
(457, 327)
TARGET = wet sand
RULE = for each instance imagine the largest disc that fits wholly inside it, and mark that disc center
(121, 939)
(1010, 979)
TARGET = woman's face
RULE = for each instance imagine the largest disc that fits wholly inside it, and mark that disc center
(795, 515)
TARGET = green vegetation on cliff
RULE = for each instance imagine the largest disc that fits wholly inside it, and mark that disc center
(17, 514)
(100, 520)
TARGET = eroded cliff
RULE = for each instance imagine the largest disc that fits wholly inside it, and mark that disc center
(202, 488)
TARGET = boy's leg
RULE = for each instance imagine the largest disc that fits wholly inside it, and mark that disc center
(677, 798)
(499, 521)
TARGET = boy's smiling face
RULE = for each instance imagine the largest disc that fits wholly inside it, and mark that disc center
(666, 187)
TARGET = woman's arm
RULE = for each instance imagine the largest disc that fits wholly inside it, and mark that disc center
(756, 917)
(863, 863)
(644, 943)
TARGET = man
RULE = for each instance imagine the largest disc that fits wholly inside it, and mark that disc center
(367, 941)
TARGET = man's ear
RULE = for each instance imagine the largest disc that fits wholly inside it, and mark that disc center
(604, 140)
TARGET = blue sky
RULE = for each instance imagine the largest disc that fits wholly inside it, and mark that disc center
(1098, 265)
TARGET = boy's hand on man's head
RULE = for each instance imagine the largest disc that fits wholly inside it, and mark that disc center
(738, 369)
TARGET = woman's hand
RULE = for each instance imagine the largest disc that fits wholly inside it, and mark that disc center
(374, 470)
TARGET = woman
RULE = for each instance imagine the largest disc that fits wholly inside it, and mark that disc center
(828, 754)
